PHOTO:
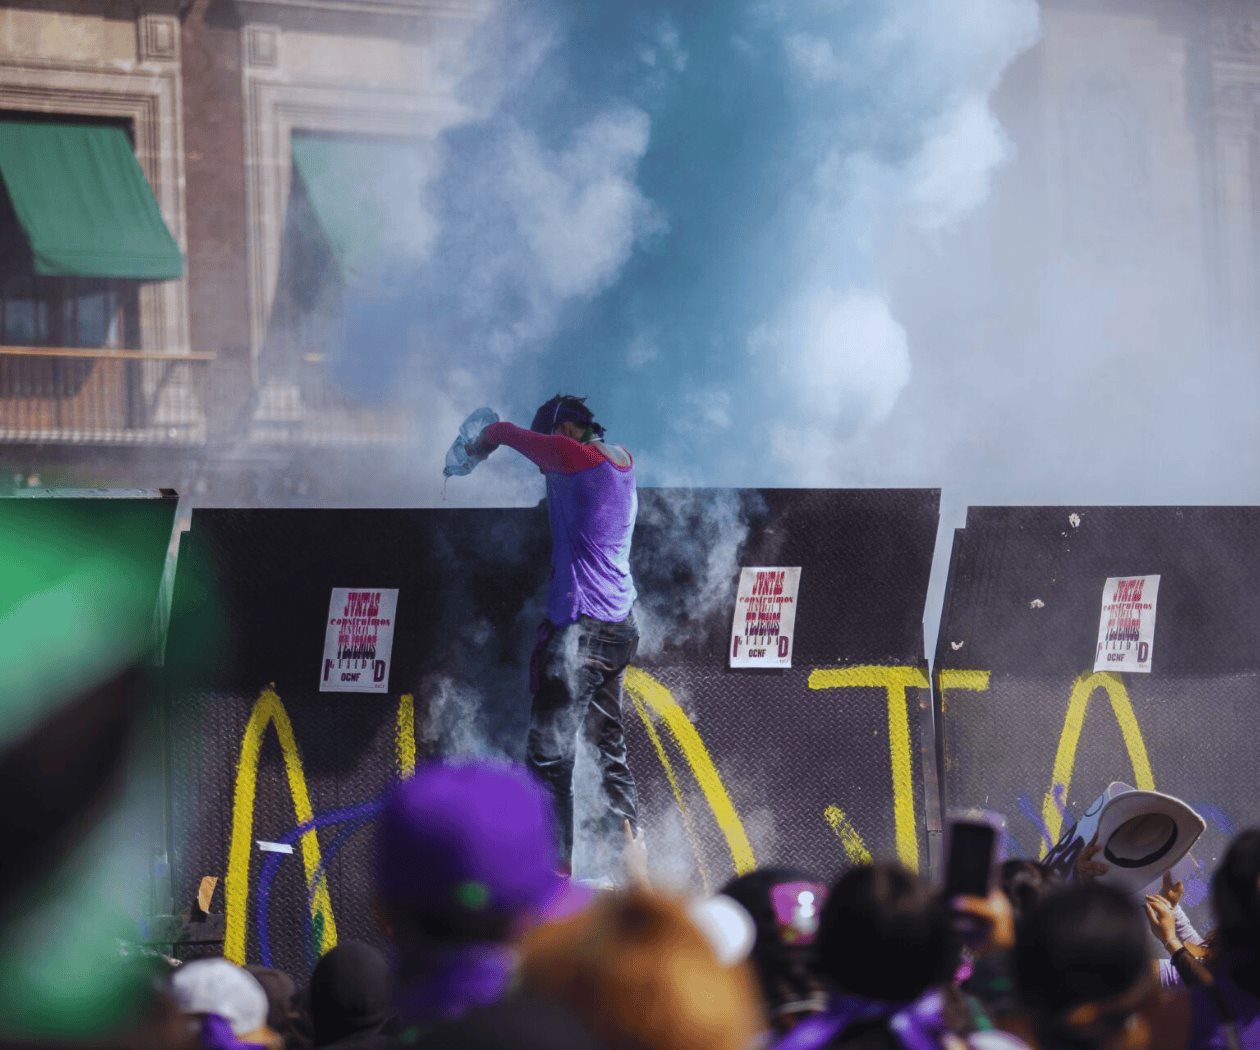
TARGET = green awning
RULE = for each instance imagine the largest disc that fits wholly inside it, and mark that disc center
(84, 203)
(366, 196)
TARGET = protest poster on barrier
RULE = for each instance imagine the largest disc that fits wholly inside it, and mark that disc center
(765, 617)
(358, 640)
(1126, 627)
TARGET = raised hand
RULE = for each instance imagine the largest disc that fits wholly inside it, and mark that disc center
(634, 855)
(1086, 867)
(1163, 923)
(1171, 891)
(986, 924)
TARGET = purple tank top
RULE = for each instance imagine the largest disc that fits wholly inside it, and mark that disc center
(592, 519)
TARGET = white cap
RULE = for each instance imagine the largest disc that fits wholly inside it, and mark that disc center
(216, 986)
(727, 926)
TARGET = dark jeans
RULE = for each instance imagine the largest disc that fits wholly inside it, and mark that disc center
(577, 671)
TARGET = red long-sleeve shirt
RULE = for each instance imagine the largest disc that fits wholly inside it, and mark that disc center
(551, 453)
(592, 503)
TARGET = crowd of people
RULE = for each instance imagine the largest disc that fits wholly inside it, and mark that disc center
(487, 944)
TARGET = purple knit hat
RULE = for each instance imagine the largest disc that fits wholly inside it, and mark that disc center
(469, 840)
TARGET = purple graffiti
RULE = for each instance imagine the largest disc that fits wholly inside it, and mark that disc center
(328, 855)
(1059, 794)
(361, 813)
(1215, 816)
(1029, 810)
(1197, 887)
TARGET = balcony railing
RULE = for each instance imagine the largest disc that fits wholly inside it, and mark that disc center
(58, 394)
(305, 407)
(137, 397)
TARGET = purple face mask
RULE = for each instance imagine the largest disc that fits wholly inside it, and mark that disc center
(797, 906)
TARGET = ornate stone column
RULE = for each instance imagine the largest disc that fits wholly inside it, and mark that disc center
(1235, 189)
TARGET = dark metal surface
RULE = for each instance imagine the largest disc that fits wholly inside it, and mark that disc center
(1194, 714)
(252, 594)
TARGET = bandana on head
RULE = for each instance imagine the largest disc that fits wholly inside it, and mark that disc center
(565, 408)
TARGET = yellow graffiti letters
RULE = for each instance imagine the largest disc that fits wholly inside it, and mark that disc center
(651, 696)
(1065, 757)
(952, 678)
(658, 745)
(894, 681)
(405, 737)
(854, 848)
(268, 710)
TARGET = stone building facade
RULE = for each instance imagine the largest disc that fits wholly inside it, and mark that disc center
(1147, 114)
(211, 94)
(220, 392)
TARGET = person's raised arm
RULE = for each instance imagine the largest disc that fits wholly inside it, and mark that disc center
(551, 453)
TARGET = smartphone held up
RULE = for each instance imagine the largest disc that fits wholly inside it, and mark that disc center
(982, 918)
(971, 853)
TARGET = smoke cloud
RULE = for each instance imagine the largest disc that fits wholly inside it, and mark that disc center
(895, 131)
(452, 720)
(889, 243)
(690, 576)
(694, 220)
(532, 218)
(718, 228)
(986, 247)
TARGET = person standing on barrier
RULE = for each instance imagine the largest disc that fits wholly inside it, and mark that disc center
(589, 634)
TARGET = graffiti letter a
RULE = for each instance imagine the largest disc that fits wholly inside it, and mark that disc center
(268, 710)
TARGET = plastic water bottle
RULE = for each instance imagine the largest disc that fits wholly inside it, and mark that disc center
(459, 461)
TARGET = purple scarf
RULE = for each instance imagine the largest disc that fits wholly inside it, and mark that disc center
(453, 982)
(917, 1025)
(217, 1034)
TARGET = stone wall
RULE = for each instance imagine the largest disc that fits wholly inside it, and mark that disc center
(212, 91)
(214, 142)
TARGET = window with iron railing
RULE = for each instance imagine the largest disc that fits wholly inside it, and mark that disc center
(64, 312)
(80, 234)
(67, 311)
(70, 312)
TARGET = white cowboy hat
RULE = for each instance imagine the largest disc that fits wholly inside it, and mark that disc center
(1142, 834)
